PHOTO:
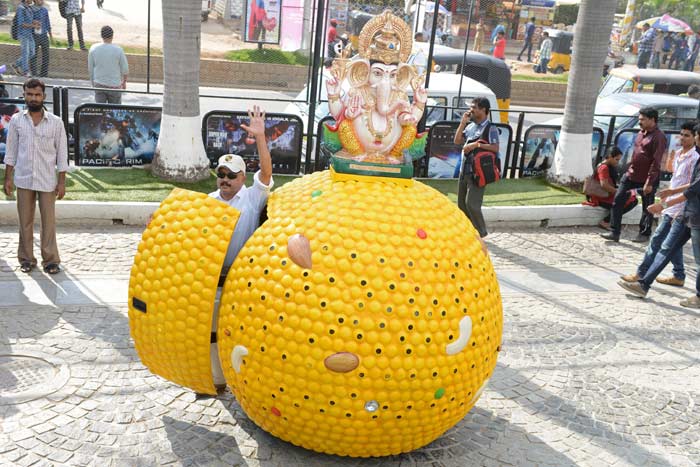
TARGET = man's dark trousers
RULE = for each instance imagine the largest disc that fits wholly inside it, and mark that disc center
(41, 41)
(621, 197)
(527, 45)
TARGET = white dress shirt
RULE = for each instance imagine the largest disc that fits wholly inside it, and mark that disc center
(249, 201)
(37, 152)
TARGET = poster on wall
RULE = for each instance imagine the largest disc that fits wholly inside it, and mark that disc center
(116, 135)
(541, 144)
(8, 107)
(625, 141)
(445, 157)
(338, 10)
(262, 21)
(223, 134)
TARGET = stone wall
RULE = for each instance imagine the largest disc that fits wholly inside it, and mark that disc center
(224, 73)
(72, 64)
(538, 94)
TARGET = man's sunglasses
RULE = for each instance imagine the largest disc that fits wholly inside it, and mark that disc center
(229, 175)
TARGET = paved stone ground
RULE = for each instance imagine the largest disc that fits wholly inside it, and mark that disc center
(587, 376)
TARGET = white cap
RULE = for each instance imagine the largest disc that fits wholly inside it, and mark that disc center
(233, 162)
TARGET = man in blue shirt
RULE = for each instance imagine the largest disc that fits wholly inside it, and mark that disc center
(529, 35)
(25, 26)
(475, 133)
(42, 39)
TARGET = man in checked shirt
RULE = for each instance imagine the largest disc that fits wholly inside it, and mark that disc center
(36, 149)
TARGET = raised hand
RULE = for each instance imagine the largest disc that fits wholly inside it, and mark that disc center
(354, 107)
(256, 126)
(333, 86)
(421, 95)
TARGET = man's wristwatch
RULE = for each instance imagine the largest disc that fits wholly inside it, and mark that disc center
(664, 204)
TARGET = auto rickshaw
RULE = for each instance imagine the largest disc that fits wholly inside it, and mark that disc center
(356, 21)
(648, 80)
(561, 50)
(488, 70)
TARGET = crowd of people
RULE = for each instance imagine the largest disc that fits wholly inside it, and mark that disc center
(679, 209)
(32, 28)
(673, 51)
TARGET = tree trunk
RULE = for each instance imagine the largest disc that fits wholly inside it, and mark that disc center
(572, 161)
(180, 152)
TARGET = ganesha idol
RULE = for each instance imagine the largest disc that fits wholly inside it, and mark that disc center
(376, 122)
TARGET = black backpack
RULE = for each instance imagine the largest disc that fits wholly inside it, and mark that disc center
(485, 165)
(62, 7)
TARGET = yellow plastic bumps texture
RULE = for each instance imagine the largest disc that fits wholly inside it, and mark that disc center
(385, 342)
(174, 279)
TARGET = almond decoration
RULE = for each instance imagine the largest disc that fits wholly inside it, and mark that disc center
(342, 362)
(299, 250)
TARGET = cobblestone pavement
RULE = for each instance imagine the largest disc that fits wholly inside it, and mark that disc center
(587, 376)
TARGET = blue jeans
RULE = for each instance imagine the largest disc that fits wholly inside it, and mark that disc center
(27, 50)
(662, 259)
(660, 243)
(542, 67)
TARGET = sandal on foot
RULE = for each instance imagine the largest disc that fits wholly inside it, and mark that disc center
(52, 268)
(26, 267)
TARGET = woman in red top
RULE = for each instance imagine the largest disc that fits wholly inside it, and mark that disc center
(499, 45)
(606, 174)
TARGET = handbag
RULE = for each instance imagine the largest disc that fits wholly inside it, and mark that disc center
(592, 187)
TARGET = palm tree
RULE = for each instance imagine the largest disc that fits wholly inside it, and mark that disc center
(572, 162)
(180, 152)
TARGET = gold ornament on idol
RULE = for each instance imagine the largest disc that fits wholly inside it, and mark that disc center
(385, 38)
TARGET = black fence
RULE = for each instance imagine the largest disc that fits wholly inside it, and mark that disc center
(123, 136)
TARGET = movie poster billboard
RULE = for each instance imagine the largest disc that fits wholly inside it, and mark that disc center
(8, 107)
(625, 141)
(223, 134)
(540, 145)
(262, 21)
(115, 135)
(445, 157)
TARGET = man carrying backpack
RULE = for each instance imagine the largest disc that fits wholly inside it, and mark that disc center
(23, 30)
(476, 134)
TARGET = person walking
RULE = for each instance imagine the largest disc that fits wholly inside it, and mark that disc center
(690, 195)
(529, 35)
(36, 149)
(671, 224)
(545, 53)
(25, 34)
(332, 32)
(475, 132)
(108, 68)
(646, 45)
(499, 45)
(643, 172)
(658, 51)
(692, 53)
(42, 39)
(479, 36)
(74, 12)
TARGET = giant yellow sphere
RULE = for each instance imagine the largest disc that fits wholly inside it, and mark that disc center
(363, 318)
